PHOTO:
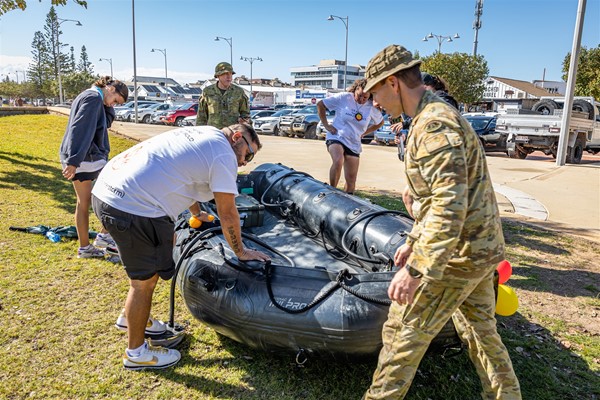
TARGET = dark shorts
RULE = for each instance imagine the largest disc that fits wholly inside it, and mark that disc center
(145, 244)
(86, 176)
(347, 151)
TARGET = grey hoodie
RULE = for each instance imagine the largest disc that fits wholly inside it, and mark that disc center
(86, 137)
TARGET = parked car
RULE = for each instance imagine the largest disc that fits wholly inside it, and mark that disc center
(485, 127)
(176, 117)
(128, 114)
(321, 131)
(145, 114)
(131, 104)
(270, 125)
(384, 135)
(189, 121)
(157, 116)
(260, 113)
(302, 123)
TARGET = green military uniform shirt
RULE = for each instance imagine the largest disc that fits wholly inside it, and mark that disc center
(457, 233)
(222, 109)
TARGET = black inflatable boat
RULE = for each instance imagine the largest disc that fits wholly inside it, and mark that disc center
(324, 292)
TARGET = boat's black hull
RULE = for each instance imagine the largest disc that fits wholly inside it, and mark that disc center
(309, 299)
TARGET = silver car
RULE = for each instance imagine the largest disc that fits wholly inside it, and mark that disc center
(270, 125)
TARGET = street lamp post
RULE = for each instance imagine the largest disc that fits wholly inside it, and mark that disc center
(110, 62)
(230, 41)
(440, 39)
(251, 60)
(345, 21)
(164, 51)
(59, 22)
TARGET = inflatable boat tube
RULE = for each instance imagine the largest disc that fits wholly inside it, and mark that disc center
(324, 292)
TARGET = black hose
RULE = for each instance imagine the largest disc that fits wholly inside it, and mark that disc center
(262, 198)
(182, 257)
(369, 216)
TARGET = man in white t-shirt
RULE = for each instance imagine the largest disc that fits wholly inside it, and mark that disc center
(354, 111)
(139, 195)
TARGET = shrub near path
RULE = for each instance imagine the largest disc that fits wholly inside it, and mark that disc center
(57, 312)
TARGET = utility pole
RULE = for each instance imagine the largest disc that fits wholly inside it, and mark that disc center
(477, 23)
(563, 139)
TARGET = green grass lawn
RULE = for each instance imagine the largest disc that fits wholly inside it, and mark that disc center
(57, 312)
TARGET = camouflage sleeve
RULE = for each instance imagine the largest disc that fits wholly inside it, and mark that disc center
(244, 106)
(442, 167)
(414, 234)
(202, 116)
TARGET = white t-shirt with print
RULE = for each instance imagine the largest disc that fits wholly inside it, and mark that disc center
(349, 129)
(166, 174)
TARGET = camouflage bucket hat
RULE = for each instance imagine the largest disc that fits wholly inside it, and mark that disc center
(387, 62)
(222, 68)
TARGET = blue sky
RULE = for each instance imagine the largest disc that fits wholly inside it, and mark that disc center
(519, 38)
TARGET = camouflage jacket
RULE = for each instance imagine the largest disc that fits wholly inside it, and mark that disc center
(221, 110)
(457, 233)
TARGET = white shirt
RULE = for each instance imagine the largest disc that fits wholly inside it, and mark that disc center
(169, 172)
(349, 129)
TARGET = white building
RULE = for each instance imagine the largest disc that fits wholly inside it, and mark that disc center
(501, 94)
(557, 88)
(329, 74)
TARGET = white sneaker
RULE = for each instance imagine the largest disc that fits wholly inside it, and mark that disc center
(151, 358)
(90, 252)
(153, 327)
(104, 240)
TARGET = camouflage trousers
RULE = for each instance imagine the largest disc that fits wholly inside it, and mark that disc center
(409, 330)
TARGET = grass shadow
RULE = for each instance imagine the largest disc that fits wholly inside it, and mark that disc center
(34, 173)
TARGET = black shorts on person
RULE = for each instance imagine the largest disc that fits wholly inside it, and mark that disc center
(145, 244)
(86, 176)
(347, 151)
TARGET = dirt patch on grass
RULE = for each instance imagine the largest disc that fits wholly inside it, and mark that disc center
(557, 276)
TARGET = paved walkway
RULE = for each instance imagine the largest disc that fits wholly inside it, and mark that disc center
(565, 199)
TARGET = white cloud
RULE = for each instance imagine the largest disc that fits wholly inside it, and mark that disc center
(12, 64)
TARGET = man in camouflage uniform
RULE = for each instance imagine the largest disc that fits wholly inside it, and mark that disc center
(448, 261)
(223, 103)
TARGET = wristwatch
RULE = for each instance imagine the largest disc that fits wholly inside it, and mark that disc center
(413, 272)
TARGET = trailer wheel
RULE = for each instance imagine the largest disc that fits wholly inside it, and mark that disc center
(585, 107)
(575, 152)
(546, 107)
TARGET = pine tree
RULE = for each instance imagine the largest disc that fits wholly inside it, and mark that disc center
(40, 71)
(72, 65)
(84, 63)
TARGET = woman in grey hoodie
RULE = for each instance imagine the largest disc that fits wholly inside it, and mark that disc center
(84, 152)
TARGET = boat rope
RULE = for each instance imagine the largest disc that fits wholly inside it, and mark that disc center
(341, 278)
(268, 270)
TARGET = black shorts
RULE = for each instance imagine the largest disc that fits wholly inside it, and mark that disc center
(347, 151)
(145, 244)
(86, 176)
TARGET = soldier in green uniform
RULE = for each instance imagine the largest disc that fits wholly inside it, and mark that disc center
(223, 103)
(448, 261)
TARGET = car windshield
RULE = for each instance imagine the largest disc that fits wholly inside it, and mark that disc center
(307, 110)
(479, 123)
(280, 113)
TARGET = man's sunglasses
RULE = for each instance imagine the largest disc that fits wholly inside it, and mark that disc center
(250, 155)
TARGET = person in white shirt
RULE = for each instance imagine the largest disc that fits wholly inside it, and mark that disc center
(355, 117)
(139, 195)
